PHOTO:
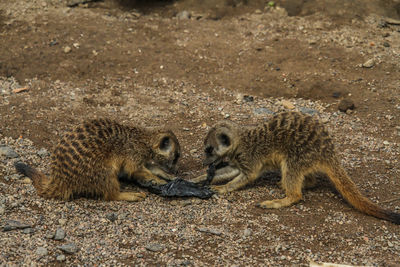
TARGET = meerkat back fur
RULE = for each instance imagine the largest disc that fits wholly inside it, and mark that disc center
(297, 144)
(88, 159)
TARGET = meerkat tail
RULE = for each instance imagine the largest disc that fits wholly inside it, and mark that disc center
(348, 189)
(38, 178)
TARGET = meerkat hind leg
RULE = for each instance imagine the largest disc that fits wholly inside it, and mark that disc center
(292, 184)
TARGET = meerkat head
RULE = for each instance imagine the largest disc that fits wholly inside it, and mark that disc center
(166, 150)
(221, 142)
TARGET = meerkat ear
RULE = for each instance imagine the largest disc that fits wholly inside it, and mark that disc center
(165, 143)
(223, 139)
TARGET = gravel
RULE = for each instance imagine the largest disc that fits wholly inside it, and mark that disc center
(221, 231)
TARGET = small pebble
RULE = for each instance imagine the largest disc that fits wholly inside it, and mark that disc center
(60, 234)
(69, 248)
(28, 231)
(247, 232)
(67, 49)
(154, 247)
(287, 104)
(43, 153)
(61, 257)
(183, 15)
(41, 251)
(369, 63)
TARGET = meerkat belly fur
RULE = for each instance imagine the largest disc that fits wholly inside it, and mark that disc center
(295, 143)
(88, 159)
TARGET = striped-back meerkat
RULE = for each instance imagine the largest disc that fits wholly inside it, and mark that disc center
(297, 144)
(87, 161)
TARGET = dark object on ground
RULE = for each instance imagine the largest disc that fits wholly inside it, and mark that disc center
(180, 188)
(346, 104)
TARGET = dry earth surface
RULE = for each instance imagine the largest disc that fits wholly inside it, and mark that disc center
(188, 64)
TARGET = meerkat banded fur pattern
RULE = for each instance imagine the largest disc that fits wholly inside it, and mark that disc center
(87, 161)
(295, 143)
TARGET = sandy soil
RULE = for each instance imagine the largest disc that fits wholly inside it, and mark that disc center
(187, 65)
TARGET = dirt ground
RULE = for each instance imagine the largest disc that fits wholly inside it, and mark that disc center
(187, 64)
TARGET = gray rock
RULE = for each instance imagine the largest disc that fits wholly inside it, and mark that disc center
(61, 257)
(69, 248)
(12, 225)
(60, 234)
(43, 152)
(154, 247)
(260, 111)
(308, 111)
(28, 231)
(8, 152)
(210, 231)
(2, 210)
(41, 251)
(345, 105)
(184, 15)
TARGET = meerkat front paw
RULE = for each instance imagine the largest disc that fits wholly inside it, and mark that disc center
(131, 196)
(270, 204)
(219, 189)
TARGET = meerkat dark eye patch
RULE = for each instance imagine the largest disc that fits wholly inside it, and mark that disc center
(224, 139)
(209, 150)
(165, 143)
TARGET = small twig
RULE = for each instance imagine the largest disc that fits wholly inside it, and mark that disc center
(19, 90)
(391, 200)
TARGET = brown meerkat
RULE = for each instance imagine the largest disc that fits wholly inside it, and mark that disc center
(295, 143)
(87, 161)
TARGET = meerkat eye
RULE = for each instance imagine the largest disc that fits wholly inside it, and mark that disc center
(209, 150)
(165, 143)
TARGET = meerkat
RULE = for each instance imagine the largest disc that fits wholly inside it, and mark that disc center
(295, 143)
(87, 160)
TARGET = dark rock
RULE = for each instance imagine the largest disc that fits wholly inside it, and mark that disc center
(112, 216)
(248, 98)
(336, 94)
(386, 44)
(345, 105)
